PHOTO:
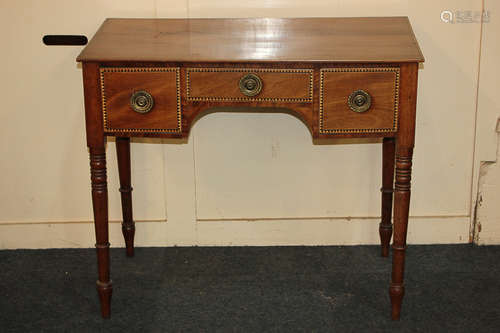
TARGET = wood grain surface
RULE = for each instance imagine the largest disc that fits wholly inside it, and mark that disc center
(119, 84)
(309, 67)
(361, 39)
(380, 83)
(222, 84)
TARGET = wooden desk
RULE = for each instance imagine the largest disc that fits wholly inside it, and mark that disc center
(343, 77)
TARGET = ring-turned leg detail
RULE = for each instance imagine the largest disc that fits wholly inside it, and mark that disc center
(100, 206)
(401, 208)
(128, 225)
(385, 227)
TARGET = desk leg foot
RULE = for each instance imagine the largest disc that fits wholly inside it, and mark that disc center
(385, 227)
(105, 290)
(100, 206)
(128, 225)
(128, 234)
(401, 208)
(397, 292)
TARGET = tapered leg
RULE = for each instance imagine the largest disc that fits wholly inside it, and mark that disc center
(405, 141)
(401, 208)
(385, 227)
(100, 206)
(128, 225)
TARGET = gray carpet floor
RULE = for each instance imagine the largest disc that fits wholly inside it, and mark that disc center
(449, 288)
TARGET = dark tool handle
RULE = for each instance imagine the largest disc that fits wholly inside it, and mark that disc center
(65, 40)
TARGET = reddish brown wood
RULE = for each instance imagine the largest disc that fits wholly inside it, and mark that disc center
(280, 84)
(128, 225)
(121, 120)
(100, 204)
(192, 110)
(132, 53)
(96, 144)
(338, 85)
(93, 110)
(385, 227)
(354, 40)
(303, 110)
(404, 153)
(120, 83)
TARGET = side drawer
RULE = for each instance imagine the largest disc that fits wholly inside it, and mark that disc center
(359, 100)
(264, 84)
(154, 92)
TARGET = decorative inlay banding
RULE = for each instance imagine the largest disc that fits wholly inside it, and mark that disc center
(178, 129)
(323, 130)
(189, 96)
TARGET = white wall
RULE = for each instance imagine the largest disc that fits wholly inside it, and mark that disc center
(267, 184)
(486, 226)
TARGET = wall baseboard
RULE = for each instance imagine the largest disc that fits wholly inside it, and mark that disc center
(337, 231)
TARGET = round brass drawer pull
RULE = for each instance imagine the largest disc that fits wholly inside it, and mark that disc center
(142, 101)
(250, 85)
(359, 101)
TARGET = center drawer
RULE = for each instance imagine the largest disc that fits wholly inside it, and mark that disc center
(250, 84)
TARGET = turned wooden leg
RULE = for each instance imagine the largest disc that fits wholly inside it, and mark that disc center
(401, 208)
(100, 205)
(385, 227)
(128, 225)
(405, 141)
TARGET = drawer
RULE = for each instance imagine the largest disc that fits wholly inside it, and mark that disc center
(141, 99)
(250, 84)
(359, 100)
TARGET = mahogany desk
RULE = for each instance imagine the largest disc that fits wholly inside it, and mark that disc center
(343, 77)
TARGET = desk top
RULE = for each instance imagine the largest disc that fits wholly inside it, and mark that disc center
(353, 40)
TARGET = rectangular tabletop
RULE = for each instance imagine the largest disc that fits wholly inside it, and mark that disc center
(354, 40)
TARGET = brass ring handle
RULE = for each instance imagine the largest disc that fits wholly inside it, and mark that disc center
(141, 101)
(359, 101)
(250, 85)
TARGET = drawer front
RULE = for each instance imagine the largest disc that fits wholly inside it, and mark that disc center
(229, 85)
(359, 100)
(153, 92)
